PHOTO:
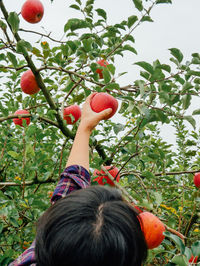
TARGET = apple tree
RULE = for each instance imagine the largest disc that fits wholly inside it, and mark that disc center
(155, 175)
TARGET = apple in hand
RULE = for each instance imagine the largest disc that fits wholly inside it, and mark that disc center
(71, 114)
(102, 101)
(197, 180)
(152, 229)
(103, 63)
(19, 121)
(32, 11)
(103, 179)
(28, 82)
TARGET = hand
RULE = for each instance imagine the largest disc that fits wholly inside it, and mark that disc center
(89, 118)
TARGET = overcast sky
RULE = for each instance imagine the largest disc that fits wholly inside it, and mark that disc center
(175, 25)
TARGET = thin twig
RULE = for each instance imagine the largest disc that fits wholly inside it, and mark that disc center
(42, 35)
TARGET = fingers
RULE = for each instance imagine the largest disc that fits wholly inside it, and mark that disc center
(105, 113)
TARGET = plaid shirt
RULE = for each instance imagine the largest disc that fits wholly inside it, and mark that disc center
(74, 177)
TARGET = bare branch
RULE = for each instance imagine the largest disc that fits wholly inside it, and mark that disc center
(42, 35)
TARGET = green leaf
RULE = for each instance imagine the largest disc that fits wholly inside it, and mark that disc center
(188, 253)
(196, 249)
(94, 67)
(138, 4)
(130, 38)
(131, 21)
(194, 73)
(101, 12)
(191, 120)
(3, 26)
(196, 112)
(1, 227)
(146, 66)
(13, 20)
(164, 2)
(36, 52)
(72, 46)
(158, 198)
(87, 43)
(23, 46)
(111, 68)
(75, 23)
(30, 150)
(165, 67)
(186, 101)
(106, 75)
(176, 240)
(177, 54)
(148, 174)
(13, 154)
(75, 7)
(161, 116)
(89, 2)
(147, 18)
(141, 87)
(129, 48)
(180, 260)
(13, 221)
(114, 86)
(117, 128)
(12, 59)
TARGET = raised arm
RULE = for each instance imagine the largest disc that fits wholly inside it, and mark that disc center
(89, 119)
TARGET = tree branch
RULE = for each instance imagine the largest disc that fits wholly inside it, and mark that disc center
(71, 73)
(42, 35)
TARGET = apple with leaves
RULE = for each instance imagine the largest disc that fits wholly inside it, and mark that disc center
(102, 63)
(152, 229)
(71, 114)
(102, 101)
(28, 83)
(197, 180)
(103, 179)
(19, 121)
(32, 11)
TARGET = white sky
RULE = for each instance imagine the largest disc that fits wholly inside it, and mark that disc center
(176, 25)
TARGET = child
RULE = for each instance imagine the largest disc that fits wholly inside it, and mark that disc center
(93, 226)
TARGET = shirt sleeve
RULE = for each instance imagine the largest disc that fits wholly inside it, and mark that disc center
(74, 177)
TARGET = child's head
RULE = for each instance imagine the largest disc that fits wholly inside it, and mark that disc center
(90, 227)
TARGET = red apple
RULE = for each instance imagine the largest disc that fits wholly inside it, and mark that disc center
(152, 229)
(72, 110)
(32, 11)
(102, 101)
(193, 260)
(103, 179)
(19, 121)
(197, 180)
(103, 63)
(28, 82)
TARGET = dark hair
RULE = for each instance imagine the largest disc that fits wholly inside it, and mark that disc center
(90, 227)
